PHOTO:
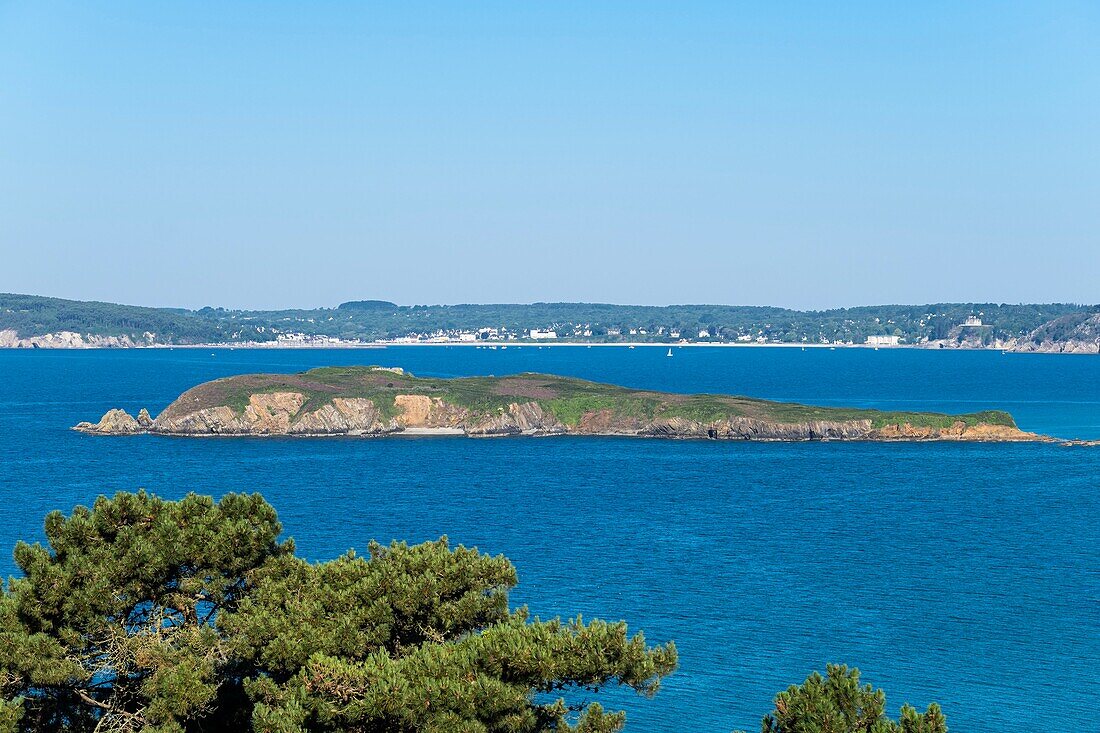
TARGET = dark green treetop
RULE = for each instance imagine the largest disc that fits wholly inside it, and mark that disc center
(148, 615)
(837, 703)
(112, 623)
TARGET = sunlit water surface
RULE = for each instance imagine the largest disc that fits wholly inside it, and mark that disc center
(965, 574)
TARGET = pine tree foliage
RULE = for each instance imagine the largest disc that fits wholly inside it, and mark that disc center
(153, 616)
(111, 626)
(141, 614)
(837, 703)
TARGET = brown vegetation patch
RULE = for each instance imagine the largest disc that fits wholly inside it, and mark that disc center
(520, 387)
(226, 391)
(598, 421)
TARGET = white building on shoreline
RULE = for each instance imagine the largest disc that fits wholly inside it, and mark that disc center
(538, 335)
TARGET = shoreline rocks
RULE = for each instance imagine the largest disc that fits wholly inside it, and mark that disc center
(113, 422)
(374, 401)
(281, 414)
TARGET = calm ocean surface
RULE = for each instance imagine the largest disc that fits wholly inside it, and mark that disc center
(964, 574)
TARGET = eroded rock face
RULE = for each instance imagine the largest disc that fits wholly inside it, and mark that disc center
(1071, 346)
(209, 421)
(744, 428)
(957, 431)
(281, 413)
(421, 411)
(351, 416)
(271, 413)
(62, 340)
(114, 422)
(905, 431)
(520, 419)
(265, 414)
(144, 419)
(672, 427)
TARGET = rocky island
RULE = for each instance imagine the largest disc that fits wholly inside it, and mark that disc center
(377, 401)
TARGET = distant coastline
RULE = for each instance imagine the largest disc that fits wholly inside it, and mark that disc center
(1053, 348)
(28, 321)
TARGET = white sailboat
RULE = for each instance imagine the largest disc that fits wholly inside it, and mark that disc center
(669, 353)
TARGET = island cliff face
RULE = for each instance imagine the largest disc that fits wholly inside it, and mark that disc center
(377, 401)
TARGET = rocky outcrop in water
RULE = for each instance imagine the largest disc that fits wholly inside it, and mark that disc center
(326, 405)
(114, 422)
(144, 419)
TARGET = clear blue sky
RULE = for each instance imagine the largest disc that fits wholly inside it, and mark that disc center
(273, 154)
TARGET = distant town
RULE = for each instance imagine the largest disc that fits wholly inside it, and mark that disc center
(569, 335)
(28, 321)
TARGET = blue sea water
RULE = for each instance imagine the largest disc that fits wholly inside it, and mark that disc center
(964, 574)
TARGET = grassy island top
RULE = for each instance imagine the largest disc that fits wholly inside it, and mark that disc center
(567, 398)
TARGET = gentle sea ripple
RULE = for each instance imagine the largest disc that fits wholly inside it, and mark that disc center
(965, 574)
